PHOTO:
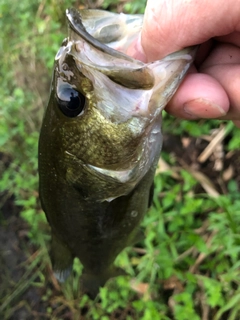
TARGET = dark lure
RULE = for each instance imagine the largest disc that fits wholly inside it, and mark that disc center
(100, 142)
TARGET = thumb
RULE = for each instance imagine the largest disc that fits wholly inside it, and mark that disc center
(172, 25)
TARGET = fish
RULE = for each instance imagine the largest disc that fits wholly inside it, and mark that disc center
(100, 142)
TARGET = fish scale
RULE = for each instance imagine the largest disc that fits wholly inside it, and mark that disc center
(116, 141)
(100, 142)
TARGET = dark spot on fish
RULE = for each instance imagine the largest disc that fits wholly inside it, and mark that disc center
(70, 101)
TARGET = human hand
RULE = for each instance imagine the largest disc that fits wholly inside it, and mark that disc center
(212, 87)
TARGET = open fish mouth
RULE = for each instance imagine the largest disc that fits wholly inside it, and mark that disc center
(124, 91)
(97, 41)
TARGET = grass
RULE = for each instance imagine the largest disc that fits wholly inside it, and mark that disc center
(188, 264)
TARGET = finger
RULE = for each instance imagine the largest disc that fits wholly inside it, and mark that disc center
(222, 54)
(203, 52)
(228, 77)
(199, 96)
(171, 25)
(224, 65)
(233, 38)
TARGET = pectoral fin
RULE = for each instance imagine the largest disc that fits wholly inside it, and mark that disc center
(61, 259)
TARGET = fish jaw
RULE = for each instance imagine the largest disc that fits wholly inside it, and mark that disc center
(98, 51)
(125, 92)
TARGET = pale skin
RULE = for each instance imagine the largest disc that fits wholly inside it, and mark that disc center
(212, 87)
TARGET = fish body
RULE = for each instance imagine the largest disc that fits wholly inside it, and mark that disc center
(100, 142)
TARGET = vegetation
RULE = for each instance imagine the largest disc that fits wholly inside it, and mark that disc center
(188, 265)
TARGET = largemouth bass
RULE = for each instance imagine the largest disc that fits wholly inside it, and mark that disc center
(100, 142)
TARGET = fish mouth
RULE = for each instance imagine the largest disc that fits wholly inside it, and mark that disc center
(98, 46)
(123, 90)
(97, 41)
(97, 27)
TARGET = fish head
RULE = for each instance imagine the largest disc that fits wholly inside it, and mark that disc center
(105, 107)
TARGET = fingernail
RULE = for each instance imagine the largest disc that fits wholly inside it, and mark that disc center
(203, 108)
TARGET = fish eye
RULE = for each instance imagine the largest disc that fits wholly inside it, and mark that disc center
(70, 101)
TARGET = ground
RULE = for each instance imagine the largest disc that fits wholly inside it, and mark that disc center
(20, 295)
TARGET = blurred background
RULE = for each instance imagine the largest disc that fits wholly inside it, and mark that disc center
(188, 267)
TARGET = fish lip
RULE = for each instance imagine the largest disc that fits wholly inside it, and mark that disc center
(76, 24)
(90, 52)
